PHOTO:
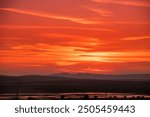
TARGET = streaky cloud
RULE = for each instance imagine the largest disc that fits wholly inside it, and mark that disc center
(53, 27)
(101, 11)
(51, 16)
(136, 38)
(125, 2)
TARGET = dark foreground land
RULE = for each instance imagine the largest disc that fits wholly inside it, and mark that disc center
(61, 84)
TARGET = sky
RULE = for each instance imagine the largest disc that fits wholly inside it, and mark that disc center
(43, 37)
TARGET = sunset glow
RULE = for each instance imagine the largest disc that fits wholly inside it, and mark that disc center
(75, 36)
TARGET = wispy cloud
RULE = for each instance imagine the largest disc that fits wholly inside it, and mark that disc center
(135, 3)
(101, 11)
(53, 27)
(136, 38)
(60, 54)
(78, 40)
(51, 16)
(125, 2)
(78, 37)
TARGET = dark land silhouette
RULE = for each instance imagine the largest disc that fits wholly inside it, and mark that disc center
(71, 83)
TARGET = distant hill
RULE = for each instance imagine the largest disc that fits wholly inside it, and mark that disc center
(59, 83)
(29, 79)
(139, 77)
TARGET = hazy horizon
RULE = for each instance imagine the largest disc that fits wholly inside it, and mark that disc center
(72, 74)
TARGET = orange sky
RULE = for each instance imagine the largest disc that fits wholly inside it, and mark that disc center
(93, 36)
